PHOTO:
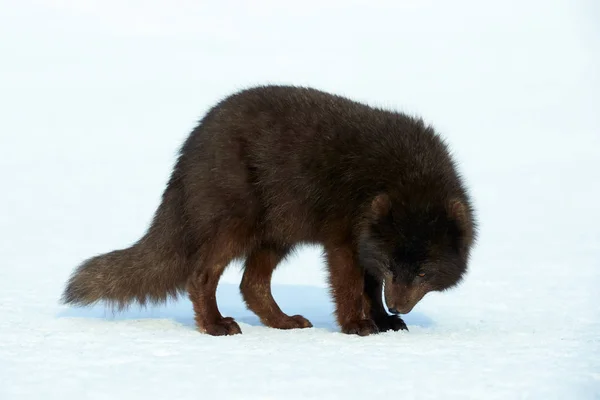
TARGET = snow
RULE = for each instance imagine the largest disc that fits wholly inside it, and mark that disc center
(97, 97)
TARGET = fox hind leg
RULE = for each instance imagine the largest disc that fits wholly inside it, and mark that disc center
(214, 257)
(256, 289)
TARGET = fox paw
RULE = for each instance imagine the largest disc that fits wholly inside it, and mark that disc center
(287, 322)
(391, 322)
(301, 322)
(294, 322)
(223, 327)
(361, 327)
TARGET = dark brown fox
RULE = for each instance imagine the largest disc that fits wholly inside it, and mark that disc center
(271, 167)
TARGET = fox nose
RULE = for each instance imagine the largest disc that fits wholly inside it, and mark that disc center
(394, 311)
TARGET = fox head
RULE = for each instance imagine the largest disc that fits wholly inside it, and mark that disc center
(415, 248)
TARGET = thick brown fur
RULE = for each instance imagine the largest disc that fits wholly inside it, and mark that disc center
(271, 167)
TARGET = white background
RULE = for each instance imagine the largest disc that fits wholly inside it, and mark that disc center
(97, 96)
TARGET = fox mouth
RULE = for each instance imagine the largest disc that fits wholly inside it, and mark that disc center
(404, 310)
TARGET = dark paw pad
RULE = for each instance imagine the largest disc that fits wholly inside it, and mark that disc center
(362, 327)
(391, 323)
(224, 327)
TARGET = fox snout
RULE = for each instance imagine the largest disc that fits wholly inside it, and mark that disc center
(401, 298)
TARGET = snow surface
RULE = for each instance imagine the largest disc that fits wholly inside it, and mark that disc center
(97, 96)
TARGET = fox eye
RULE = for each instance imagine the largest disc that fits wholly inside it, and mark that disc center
(421, 274)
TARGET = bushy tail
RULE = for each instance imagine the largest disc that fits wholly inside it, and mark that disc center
(151, 271)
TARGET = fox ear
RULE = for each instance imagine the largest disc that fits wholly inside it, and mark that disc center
(381, 205)
(456, 210)
(460, 212)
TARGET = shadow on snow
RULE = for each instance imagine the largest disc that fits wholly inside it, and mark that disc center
(312, 302)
